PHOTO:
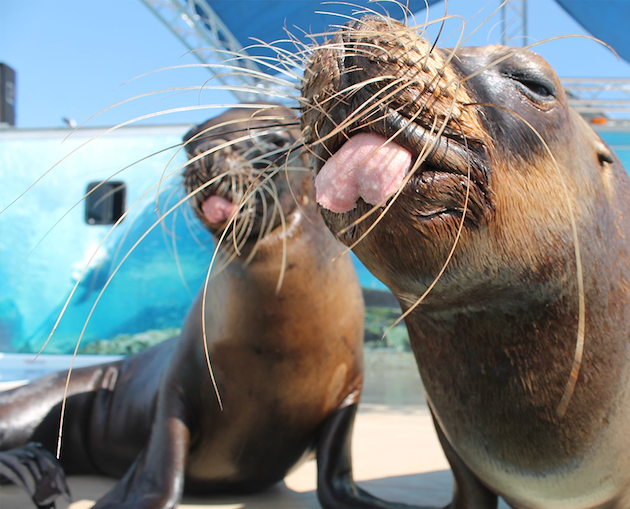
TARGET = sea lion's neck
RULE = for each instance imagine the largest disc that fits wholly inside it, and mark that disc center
(511, 363)
(485, 335)
(284, 249)
(290, 263)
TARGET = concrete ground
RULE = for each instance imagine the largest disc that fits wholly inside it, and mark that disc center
(396, 454)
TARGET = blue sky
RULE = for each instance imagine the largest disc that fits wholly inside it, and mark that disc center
(74, 57)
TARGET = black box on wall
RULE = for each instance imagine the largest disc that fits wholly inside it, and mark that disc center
(7, 95)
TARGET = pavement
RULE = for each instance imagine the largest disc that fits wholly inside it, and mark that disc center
(396, 453)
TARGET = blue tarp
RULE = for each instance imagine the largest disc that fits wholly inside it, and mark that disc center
(266, 20)
(608, 20)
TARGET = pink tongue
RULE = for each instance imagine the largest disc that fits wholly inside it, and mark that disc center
(218, 210)
(362, 168)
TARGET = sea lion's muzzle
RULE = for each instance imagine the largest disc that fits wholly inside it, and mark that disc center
(385, 111)
(228, 177)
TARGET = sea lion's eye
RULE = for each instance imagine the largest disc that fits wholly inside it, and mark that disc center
(534, 85)
(279, 139)
(275, 143)
(538, 88)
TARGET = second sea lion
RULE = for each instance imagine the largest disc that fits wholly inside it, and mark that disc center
(284, 328)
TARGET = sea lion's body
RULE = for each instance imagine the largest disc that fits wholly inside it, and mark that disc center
(526, 406)
(287, 360)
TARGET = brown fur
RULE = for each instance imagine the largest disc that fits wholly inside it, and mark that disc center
(287, 358)
(496, 339)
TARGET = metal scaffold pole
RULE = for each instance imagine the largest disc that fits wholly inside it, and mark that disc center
(197, 26)
(514, 23)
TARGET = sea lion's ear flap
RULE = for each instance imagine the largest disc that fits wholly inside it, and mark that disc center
(193, 131)
(198, 134)
(190, 145)
(604, 154)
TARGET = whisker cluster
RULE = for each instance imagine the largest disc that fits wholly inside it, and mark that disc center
(418, 90)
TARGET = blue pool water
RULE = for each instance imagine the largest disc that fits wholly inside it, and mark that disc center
(154, 286)
(620, 143)
(46, 245)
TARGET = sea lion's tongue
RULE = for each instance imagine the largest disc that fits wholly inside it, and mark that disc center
(217, 209)
(362, 168)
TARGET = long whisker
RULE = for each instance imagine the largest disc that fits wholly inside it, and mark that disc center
(449, 257)
(278, 207)
(114, 128)
(204, 327)
(98, 298)
(426, 149)
(236, 70)
(174, 247)
(89, 261)
(579, 273)
(527, 47)
(488, 18)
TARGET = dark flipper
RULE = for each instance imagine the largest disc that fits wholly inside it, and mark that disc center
(336, 488)
(34, 468)
(156, 478)
(468, 492)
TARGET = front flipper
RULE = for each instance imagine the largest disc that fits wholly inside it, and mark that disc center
(468, 492)
(34, 468)
(336, 488)
(156, 478)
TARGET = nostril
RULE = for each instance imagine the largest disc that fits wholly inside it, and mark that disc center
(605, 158)
(604, 155)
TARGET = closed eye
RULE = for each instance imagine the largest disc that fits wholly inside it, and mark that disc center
(537, 88)
(533, 85)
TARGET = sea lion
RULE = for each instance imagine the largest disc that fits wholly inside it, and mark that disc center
(466, 173)
(284, 327)
(38, 471)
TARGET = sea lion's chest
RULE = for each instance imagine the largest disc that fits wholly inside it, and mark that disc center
(498, 408)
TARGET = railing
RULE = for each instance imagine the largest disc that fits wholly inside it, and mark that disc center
(601, 100)
(197, 26)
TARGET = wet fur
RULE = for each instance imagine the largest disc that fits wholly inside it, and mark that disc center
(534, 209)
(281, 323)
(473, 121)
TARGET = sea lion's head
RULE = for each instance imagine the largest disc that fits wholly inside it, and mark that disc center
(244, 172)
(418, 149)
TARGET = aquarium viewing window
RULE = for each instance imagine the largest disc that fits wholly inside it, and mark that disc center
(104, 202)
